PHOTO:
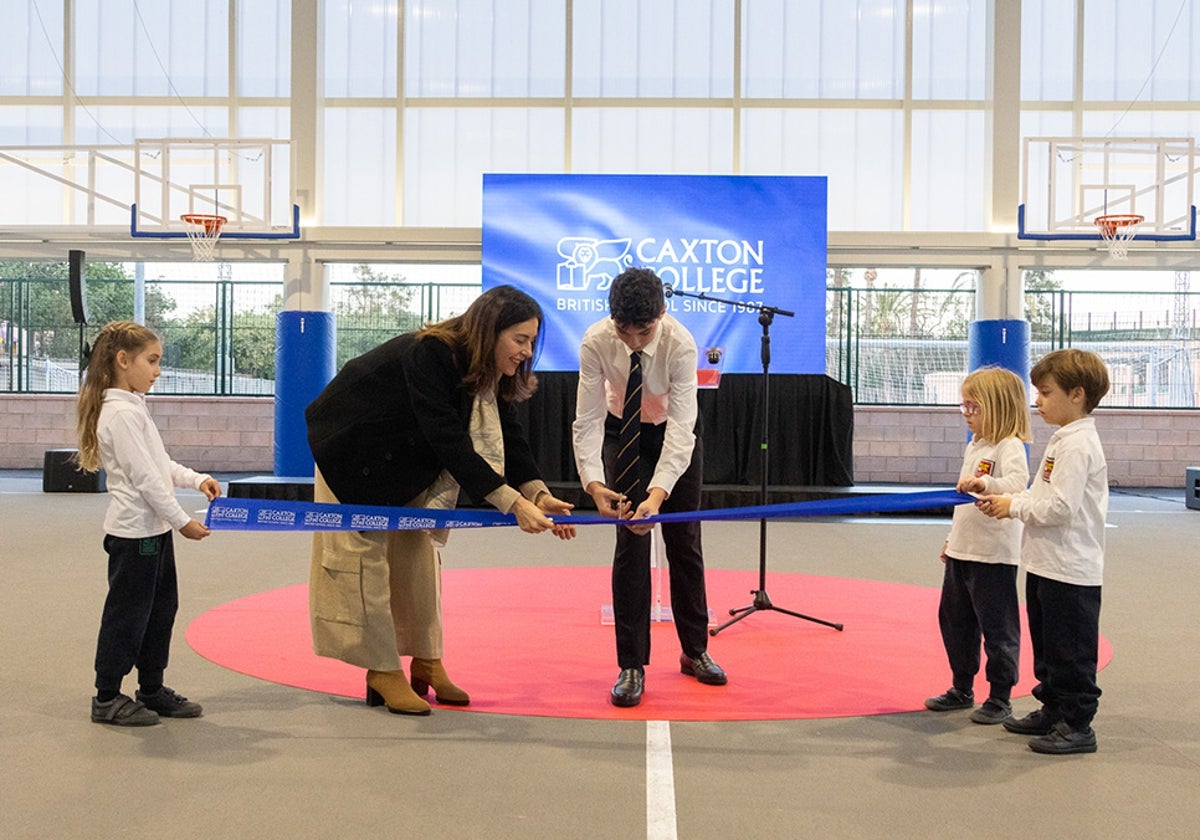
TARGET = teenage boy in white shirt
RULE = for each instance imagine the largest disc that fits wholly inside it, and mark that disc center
(640, 341)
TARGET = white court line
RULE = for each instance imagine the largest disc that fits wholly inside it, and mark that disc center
(660, 782)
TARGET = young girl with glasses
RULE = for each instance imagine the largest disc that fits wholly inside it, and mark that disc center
(981, 554)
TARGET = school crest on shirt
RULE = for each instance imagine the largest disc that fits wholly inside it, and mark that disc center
(1047, 467)
(986, 467)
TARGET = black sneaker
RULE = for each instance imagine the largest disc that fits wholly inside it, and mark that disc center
(169, 704)
(992, 711)
(122, 710)
(954, 698)
(1036, 722)
(1063, 740)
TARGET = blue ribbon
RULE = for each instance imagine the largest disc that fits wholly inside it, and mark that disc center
(225, 514)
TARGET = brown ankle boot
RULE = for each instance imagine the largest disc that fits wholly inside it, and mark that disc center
(389, 688)
(429, 672)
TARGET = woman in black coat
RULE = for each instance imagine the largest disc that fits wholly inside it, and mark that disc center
(410, 423)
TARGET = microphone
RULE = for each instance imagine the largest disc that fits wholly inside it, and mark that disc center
(668, 290)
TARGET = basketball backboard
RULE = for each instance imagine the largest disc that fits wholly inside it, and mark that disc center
(1066, 182)
(248, 181)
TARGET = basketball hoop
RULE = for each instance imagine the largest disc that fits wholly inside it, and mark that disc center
(1116, 230)
(204, 231)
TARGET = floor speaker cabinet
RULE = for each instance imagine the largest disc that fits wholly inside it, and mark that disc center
(1192, 488)
(61, 475)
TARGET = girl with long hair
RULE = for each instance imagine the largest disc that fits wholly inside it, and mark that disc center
(117, 433)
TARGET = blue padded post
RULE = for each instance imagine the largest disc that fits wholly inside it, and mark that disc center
(305, 361)
(1002, 342)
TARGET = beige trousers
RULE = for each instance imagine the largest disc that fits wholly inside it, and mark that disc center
(374, 596)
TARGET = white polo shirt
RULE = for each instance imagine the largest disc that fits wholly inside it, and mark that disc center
(975, 536)
(1065, 508)
(141, 477)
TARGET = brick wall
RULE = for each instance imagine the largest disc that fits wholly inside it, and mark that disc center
(892, 445)
(925, 445)
(232, 434)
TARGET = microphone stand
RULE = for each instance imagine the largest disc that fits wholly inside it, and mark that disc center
(762, 601)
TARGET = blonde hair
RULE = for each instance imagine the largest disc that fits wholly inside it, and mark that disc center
(115, 337)
(1003, 404)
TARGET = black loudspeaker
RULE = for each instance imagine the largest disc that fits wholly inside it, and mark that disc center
(60, 474)
(78, 287)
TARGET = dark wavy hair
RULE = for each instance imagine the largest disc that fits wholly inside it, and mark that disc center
(474, 334)
(635, 297)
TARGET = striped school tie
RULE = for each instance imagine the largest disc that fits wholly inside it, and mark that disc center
(631, 428)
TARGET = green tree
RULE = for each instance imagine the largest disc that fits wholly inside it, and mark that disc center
(45, 314)
(375, 309)
(1042, 301)
(252, 343)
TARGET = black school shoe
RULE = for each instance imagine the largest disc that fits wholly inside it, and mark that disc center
(992, 711)
(703, 669)
(954, 698)
(170, 704)
(1036, 722)
(122, 710)
(1063, 740)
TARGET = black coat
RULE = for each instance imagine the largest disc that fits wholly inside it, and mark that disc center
(393, 418)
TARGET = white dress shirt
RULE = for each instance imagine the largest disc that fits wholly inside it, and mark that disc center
(668, 396)
(141, 477)
(1065, 508)
(975, 536)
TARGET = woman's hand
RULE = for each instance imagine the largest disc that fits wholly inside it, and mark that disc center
(551, 505)
(211, 488)
(530, 518)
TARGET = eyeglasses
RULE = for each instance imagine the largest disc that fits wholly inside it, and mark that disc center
(969, 409)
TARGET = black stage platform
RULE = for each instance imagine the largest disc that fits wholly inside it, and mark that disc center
(811, 436)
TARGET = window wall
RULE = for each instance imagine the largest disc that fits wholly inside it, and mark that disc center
(416, 99)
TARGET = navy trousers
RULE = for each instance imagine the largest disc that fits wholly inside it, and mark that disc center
(1064, 629)
(139, 612)
(979, 601)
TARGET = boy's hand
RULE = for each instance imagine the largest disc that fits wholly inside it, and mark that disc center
(646, 509)
(996, 507)
(609, 502)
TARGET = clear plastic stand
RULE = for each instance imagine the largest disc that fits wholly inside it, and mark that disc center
(658, 610)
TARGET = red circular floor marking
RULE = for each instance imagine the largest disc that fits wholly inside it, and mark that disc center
(529, 641)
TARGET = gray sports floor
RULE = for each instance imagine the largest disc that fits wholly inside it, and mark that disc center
(268, 761)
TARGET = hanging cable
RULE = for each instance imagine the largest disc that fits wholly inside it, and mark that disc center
(1153, 68)
(66, 80)
(166, 75)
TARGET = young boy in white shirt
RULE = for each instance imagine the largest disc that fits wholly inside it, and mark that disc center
(1062, 551)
